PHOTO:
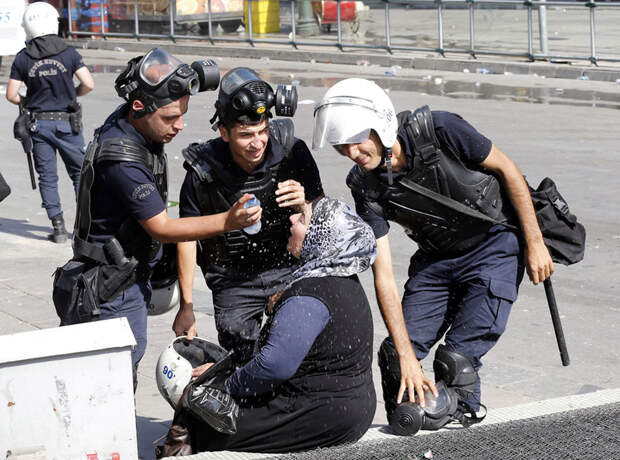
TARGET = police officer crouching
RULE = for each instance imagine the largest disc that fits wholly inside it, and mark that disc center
(253, 155)
(47, 66)
(121, 219)
(468, 208)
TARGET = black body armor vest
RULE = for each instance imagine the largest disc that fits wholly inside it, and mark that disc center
(135, 241)
(444, 206)
(217, 190)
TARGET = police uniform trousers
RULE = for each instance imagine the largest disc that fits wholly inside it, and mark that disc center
(468, 298)
(131, 304)
(239, 302)
(52, 136)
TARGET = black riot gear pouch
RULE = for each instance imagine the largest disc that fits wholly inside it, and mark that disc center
(75, 292)
(208, 400)
(564, 236)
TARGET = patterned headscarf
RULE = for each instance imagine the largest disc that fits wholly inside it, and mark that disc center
(338, 242)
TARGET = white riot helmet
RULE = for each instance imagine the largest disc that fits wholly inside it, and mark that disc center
(40, 19)
(175, 364)
(350, 110)
(166, 294)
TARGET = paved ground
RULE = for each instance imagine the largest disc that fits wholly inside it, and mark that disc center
(566, 129)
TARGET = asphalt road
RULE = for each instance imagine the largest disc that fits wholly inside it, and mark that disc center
(565, 129)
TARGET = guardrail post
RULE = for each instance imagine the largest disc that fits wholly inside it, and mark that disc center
(530, 46)
(250, 32)
(70, 13)
(136, 20)
(388, 39)
(172, 10)
(102, 19)
(339, 21)
(472, 29)
(542, 28)
(293, 26)
(209, 22)
(440, 50)
(592, 4)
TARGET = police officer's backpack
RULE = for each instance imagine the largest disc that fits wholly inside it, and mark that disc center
(564, 236)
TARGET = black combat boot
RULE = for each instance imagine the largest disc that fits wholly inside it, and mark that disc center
(60, 233)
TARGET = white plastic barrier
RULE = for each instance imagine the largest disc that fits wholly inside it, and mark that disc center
(67, 393)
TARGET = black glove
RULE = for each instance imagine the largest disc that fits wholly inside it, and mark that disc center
(208, 399)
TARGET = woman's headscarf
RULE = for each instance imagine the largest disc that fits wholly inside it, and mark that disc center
(338, 242)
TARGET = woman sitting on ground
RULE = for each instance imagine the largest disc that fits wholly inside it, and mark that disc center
(310, 385)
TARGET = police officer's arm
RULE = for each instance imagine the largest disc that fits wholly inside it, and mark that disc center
(87, 84)
(412, 376)
(12, 88)
(185, 321)
(167, 230)
(537, 258)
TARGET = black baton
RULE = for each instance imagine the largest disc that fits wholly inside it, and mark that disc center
(31, 170)
(557, 324)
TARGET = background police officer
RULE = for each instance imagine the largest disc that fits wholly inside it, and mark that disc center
(47, 66)
(437, 176)
(123, 187)
(243, 270)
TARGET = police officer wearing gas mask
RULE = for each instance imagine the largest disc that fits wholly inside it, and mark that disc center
(468, 208)
(252, 155)
(47, 66)
(122, 217)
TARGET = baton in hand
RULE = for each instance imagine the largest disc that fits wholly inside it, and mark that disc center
(557, 324)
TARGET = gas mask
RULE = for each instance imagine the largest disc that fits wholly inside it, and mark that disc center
(244, 93)
(158, 78)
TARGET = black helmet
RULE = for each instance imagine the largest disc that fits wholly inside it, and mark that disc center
(244, 93)
(158, 78)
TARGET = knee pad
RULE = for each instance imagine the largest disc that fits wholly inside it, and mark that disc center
(455, 369)
(388, 361)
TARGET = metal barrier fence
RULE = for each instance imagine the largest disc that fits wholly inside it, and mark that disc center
(172, 29)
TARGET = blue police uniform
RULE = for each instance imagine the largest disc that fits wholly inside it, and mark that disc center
(241, 288)
(48, 75)
(466, 296)
(122, 191)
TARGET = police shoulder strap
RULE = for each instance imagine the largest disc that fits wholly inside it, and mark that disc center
(421, 133)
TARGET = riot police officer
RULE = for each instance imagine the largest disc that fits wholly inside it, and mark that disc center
(47, 66)
(254, 156)
(461, 200)
(121, 218)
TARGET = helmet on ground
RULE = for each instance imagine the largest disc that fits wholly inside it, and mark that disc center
(164, 282)
(244, 93)
(40, 19)
(175, 364)
(350, 110)
(158, 78)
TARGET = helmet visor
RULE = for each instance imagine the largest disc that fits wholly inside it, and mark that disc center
(236, 78)
(157, 66)
(343, 120)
